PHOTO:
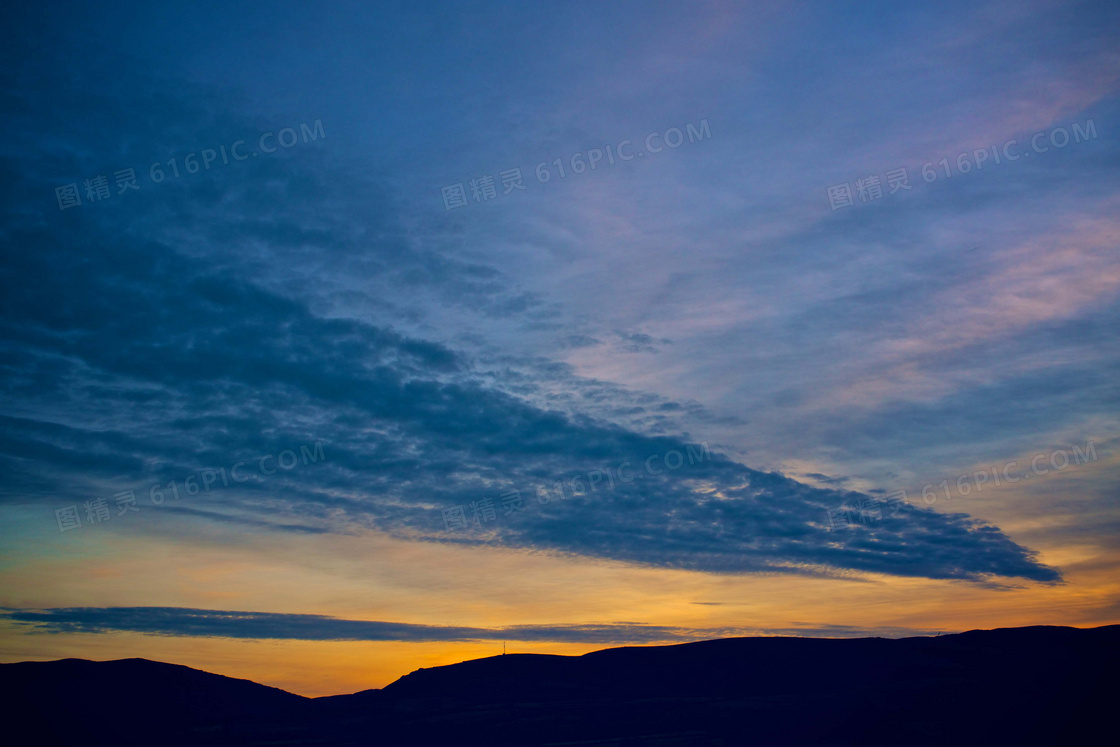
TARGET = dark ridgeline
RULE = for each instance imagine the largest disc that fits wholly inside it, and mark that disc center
(1037, 686)
(129, 701)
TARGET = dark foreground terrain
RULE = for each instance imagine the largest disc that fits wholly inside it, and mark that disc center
(1039, 685)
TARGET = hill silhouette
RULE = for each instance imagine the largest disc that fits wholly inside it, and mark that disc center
(131, 701)
(1037, 685)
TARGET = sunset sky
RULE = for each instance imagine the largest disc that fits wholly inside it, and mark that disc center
(826, 343)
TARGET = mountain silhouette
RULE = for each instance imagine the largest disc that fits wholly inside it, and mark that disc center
(1036, 685)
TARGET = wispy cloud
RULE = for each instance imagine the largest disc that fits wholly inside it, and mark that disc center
(176, 621)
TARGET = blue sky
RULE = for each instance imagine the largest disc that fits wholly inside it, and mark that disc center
(709, 296)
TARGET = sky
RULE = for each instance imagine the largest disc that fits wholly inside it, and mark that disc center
(337, 341)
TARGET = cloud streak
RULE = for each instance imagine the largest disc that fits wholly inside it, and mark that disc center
(202, 623)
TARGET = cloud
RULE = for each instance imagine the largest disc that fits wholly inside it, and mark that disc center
(818, 477)
(176, 329)
(201, 623)
(639, 342)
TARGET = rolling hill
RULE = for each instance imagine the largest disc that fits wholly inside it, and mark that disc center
(1037, 685)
